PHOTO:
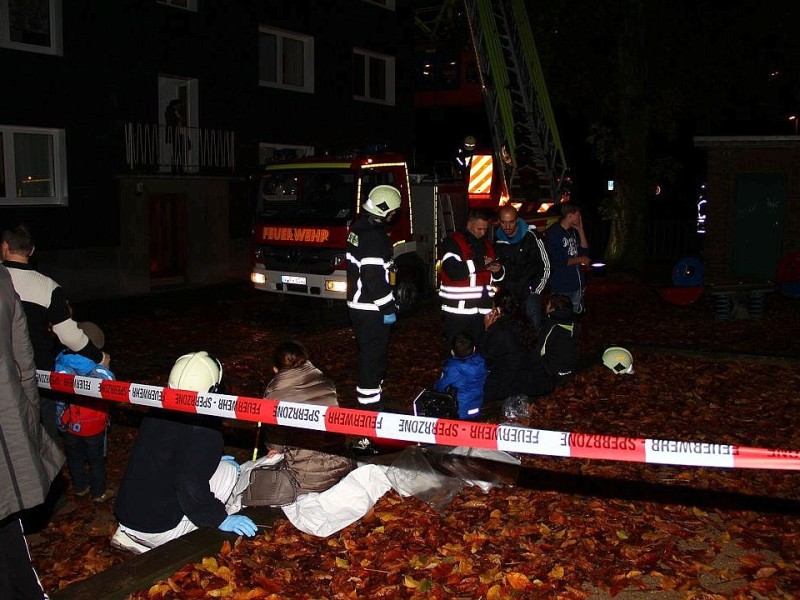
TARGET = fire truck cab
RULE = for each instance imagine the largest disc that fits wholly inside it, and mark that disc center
(303, 211)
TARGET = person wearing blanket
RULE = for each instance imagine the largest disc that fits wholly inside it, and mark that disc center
(314, 457)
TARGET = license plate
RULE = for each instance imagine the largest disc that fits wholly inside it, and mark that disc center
(293, 279)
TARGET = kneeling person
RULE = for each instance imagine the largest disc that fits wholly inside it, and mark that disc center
(177, 479)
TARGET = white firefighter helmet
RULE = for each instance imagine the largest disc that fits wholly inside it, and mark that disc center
(382, 200)
(196, 372)
(618, 360)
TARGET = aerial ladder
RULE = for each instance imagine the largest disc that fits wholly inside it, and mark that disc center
(527, 147)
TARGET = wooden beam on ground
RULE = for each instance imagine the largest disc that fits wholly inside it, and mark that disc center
(142, 571)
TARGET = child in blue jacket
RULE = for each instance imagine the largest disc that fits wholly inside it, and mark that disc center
(465, 372)
(84, 422)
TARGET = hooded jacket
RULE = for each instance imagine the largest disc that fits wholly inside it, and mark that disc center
(524, 256)
(29, 459)
(313, 456)
(85, 416)
(467, 375)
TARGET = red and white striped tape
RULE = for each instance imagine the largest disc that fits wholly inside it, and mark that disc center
(427, 430)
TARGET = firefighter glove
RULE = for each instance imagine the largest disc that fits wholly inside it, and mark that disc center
(389, 319)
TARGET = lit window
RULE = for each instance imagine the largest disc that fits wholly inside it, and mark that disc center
(184, 4)
(33, 169)
(373, 77)
(285, 60)
(31, 25)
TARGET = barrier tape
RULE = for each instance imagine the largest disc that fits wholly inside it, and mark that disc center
(426, 430)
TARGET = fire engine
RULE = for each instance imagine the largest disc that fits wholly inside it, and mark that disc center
(303, 211)
(305, 206)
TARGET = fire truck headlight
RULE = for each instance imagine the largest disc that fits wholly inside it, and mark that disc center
(333, 285)
(258, 278)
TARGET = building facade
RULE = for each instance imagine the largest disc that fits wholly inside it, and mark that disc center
(131, 131)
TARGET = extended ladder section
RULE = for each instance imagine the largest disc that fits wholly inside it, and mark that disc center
(525, 138)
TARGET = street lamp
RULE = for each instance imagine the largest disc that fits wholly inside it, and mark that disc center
(794, 118)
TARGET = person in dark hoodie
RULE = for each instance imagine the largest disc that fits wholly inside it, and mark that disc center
(522, 252)
(465, 372)
(512, 368)
(558, 342)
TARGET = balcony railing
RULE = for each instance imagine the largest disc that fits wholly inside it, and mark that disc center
(167, 149)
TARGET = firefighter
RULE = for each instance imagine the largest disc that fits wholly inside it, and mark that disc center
(469, 269)
(370, 295)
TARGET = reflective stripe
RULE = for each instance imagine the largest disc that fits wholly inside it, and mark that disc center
(473, 411)
(465, 311)
(452, 255)
(461, 295)
(471, 267)
(385, 300)
(362, 306)
(368, 391)
(375, 261)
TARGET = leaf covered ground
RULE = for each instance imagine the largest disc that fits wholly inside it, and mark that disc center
(569, 528)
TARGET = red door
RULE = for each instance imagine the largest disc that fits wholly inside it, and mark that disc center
(167, 215)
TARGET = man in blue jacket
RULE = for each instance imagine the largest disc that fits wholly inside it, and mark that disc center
(568, 249)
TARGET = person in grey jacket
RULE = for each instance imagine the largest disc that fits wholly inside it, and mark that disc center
(29, 459)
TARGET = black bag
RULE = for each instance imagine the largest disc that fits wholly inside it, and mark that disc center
(271, 485)
(430, 403)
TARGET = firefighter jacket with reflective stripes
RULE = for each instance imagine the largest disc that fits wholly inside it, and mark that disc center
(369, 263)
(466, 285)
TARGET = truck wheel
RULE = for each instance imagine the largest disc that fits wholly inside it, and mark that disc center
(409, 288)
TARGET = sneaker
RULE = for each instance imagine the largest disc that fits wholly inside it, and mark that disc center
(104, 496)
(363, 447)
(82, 493)
(122, 541)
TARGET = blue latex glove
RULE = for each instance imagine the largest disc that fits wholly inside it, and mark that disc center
(389, 319)
(232, 460)
(239, 524)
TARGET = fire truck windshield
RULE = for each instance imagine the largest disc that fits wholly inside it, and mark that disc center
(307, 195)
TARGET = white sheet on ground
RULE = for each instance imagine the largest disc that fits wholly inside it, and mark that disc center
(324, 513)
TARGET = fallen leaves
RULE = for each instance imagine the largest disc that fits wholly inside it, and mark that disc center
(575, 529)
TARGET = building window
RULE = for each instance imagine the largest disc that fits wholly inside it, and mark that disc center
(373, 77)
(268, 152)
(33, 166)
(390, 4)
(31, 25)
(185, 4)
(285, 60)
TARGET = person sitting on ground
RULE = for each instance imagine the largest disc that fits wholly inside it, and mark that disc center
(465, 373)
(558, 343)
(314, 457)
(510, 364)
(84, 422)
(177, 479)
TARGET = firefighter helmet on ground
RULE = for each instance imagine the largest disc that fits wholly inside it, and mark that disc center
(618, 360)
(196, 372)
(382, 200)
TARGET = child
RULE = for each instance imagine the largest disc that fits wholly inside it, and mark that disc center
(558, 343)
(465, 371)
(84, 422)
